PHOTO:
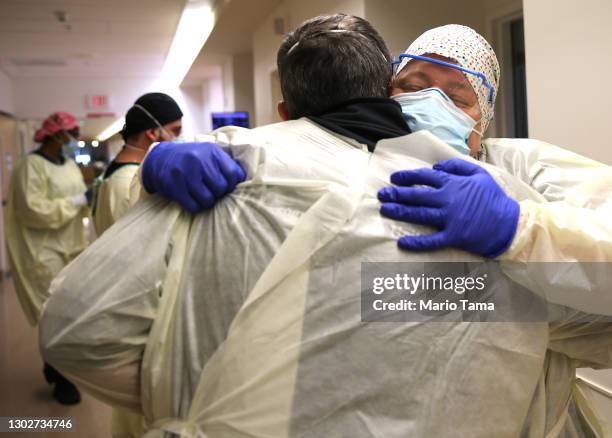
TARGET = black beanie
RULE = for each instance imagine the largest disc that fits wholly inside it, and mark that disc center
(159, 105)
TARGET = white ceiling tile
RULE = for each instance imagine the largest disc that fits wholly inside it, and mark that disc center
(106, 37)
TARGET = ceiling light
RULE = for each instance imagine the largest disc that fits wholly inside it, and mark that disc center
(111, 129)
(196, 23)
(95, 143)
(81, 144)
(195, 26)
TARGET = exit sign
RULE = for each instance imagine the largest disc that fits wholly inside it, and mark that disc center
(98, 102)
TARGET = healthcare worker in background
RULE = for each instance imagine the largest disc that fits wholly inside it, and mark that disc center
(44, 223)
(153, 117)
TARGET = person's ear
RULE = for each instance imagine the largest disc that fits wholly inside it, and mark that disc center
(152, 134)
(282, 111)
(390, 87)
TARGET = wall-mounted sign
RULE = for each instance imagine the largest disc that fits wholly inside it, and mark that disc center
(98, 102)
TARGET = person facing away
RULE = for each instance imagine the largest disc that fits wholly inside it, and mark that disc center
(245, 320)
(154, 117)
(44, 223)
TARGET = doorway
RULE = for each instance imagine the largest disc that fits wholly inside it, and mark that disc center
(8, 156)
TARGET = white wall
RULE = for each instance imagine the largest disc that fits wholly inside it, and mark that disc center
(400, 22)
(7, 101)
(569, 60)
(213, 98)
(192, 105)
(266, 44)
(38, 97)
(244, 87)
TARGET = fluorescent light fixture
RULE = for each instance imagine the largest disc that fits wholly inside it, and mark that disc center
(195, 26)
(81, 144)
(112, 129)
(95, 143)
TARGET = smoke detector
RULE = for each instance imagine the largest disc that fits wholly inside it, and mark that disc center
(63, 17)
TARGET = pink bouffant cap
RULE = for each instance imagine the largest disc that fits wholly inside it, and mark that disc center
(56, 122)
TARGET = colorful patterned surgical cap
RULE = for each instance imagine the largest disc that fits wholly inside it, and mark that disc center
(469, 50)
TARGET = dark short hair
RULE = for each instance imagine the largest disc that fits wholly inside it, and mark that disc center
(330, 59)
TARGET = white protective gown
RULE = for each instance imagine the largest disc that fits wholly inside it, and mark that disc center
(44, 229)
(245, 321)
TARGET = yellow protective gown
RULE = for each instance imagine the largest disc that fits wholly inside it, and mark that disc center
(573, 226)
(245, 320)
(113, 197)
(112, 202)
(44, 229)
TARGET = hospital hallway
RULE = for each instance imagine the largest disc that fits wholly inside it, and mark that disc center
(306, 218)
(25, 393)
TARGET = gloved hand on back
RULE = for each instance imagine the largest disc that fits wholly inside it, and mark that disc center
(196, 175)
(462, 200)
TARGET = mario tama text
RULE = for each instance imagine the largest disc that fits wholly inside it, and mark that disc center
(444, 292)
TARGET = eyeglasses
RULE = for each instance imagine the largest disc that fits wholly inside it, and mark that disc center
(395, 65)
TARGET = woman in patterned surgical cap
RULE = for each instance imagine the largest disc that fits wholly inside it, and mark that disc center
(446, 82)
(454, 68)
(446, 74)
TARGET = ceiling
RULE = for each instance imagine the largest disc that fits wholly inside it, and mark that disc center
(234, 29)
(86, 38)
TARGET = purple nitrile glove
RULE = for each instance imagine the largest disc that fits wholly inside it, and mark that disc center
(196, 175)
(462, 200)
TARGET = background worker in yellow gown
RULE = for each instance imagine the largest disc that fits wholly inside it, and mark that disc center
(44, 223)
(153, 117)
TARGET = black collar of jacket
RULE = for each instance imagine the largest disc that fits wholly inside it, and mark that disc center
(367, 120)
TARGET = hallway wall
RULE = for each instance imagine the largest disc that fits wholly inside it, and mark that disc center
(7, 101)
(569, 59)
(266, 44)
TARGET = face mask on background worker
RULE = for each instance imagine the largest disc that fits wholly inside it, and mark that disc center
(70, 145)
(432, 110)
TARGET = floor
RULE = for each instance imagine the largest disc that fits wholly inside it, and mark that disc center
(24, 391)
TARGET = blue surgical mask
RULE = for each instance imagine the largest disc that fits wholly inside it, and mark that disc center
(179, 139)
(70, 146)
(432, 110)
